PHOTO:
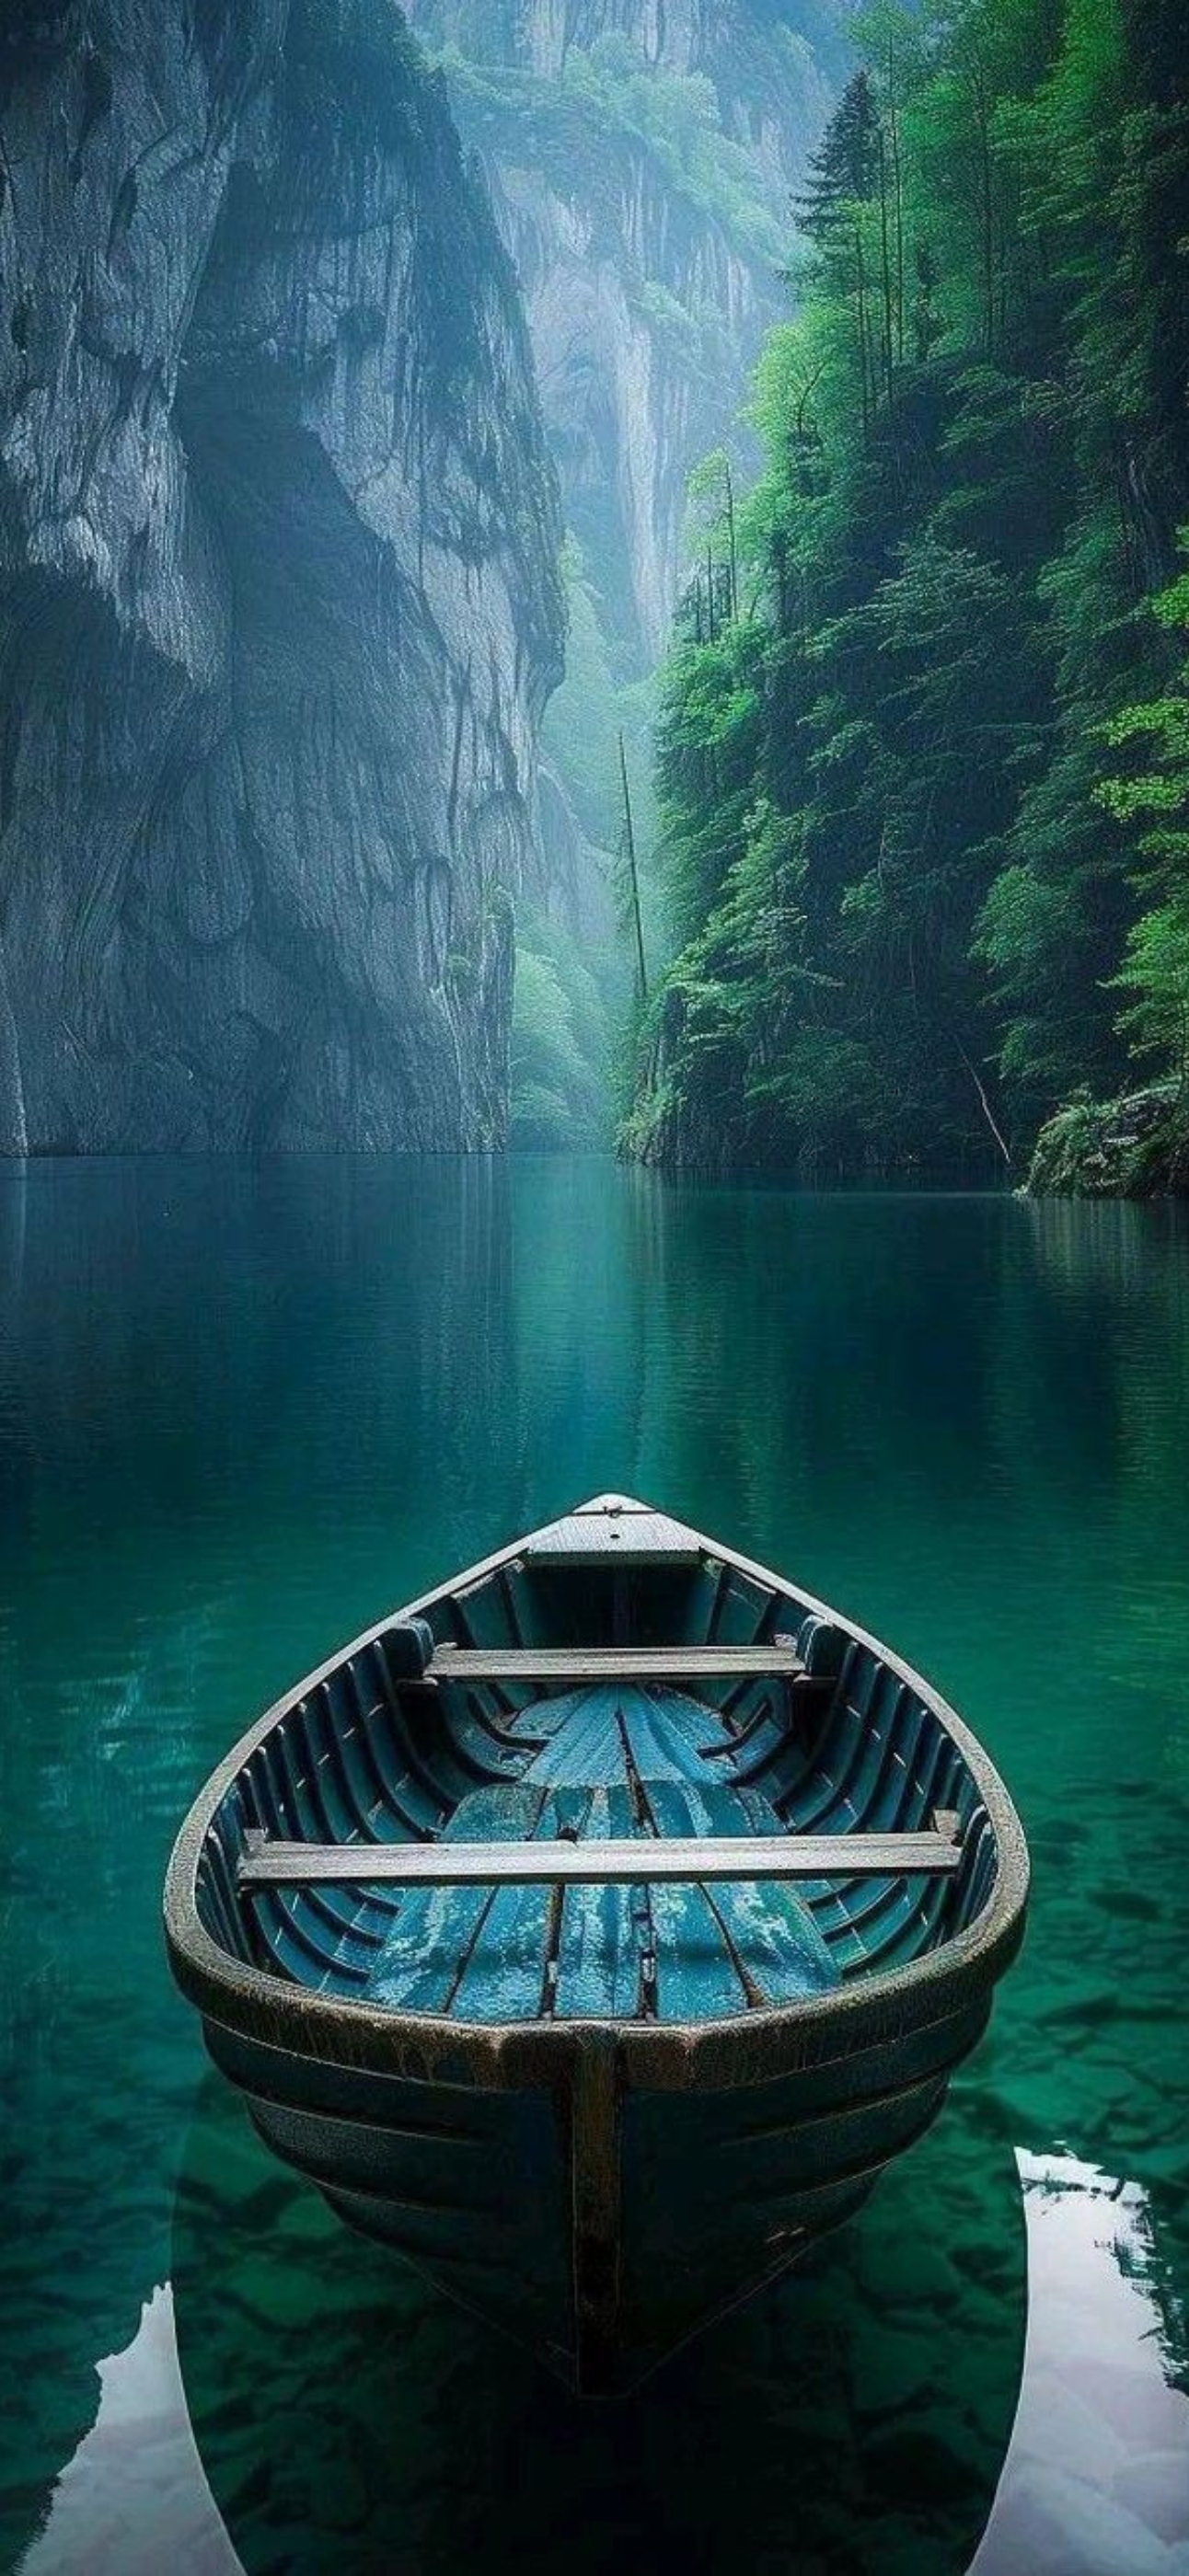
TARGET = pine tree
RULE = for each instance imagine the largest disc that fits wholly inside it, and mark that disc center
(845, 170)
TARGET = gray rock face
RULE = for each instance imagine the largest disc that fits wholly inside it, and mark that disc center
(278, 600)
(640, 155)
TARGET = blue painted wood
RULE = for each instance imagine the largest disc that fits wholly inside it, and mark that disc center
(489, 1957)
(882, 1764)
(598, 1959)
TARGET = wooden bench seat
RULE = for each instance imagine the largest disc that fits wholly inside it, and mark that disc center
(574, 1665)
(585, 1864)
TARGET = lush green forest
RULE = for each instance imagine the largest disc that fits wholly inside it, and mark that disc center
(923, 748)
(572, 1002)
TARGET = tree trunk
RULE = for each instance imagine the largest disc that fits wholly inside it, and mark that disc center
(861, 284)
(982, 111)
(885, 258)
(633, 872)
(898, 187)
(733, 556)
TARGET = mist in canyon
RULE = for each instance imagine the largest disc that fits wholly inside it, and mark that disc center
(350, 384)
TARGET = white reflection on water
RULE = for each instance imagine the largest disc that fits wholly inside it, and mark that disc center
(133, 2500)
(1096, 2481)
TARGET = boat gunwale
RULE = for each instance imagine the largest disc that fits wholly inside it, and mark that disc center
(726, 2051)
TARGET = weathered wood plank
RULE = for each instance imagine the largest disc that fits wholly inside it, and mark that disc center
(592, 1864)
(614, 1527)
(577, 1664)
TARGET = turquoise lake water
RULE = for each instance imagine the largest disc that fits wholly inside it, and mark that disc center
(244, 1410)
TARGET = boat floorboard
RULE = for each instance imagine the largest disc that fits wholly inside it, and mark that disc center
(621, 1764)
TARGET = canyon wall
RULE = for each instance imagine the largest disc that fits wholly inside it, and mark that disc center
(279, 607)
(641, 155)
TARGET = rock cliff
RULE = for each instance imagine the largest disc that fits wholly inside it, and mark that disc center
(640, 155)
(279, 606)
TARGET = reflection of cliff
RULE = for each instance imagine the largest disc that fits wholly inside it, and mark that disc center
(1097, 2475)
(279, 606)
(185, 1349)
(133, 2500)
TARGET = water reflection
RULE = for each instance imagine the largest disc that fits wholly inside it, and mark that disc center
(346, 2415)
(244, 1408)
(1098, 2472)
(133, 2499)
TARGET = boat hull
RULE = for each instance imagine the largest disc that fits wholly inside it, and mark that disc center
(598, 2220)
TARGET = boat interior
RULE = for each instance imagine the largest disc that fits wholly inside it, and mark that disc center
(616, 1680)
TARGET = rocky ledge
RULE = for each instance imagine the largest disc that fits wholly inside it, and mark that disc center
(1133, 1148)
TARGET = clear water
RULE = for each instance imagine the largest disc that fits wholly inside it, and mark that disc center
(244, 1410)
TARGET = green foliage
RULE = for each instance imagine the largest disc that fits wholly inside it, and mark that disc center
(1156, 965)
(845, 169)
(608, 99)
(584, 716)
(1127, 1148)
(583, 724)
(587, 714)
(561, 1041)
(909, 889)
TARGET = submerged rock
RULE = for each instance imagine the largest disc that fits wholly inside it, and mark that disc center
(279, 607)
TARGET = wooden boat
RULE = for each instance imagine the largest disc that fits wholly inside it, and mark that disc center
(595, 1929)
